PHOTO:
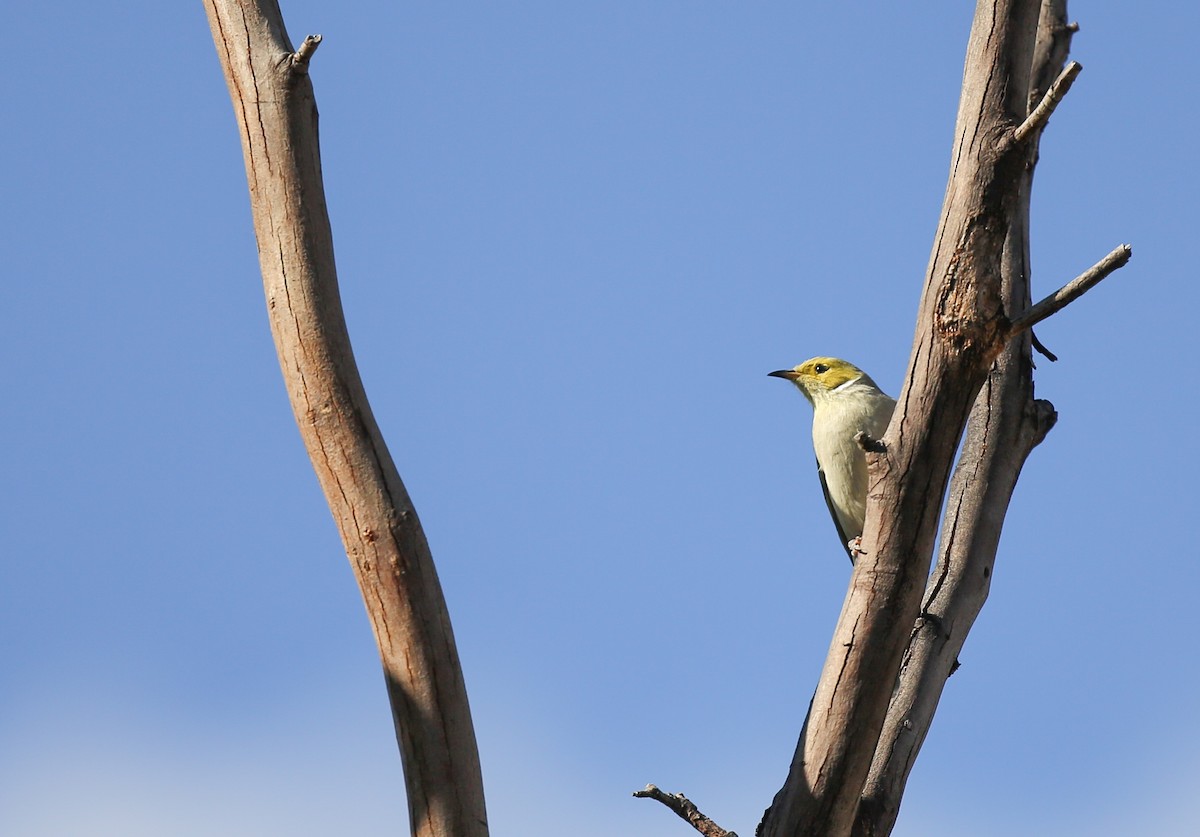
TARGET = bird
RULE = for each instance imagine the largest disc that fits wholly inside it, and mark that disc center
(845, 401)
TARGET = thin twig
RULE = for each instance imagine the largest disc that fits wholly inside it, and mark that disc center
(1071, 291)
(1041, 348)
(1040, 114)
(685, 808)
(301, 57)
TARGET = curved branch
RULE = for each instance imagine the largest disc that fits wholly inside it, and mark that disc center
(277, 118)
(1041, 349)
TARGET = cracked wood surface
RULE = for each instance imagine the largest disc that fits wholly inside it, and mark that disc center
(1005, 425)
(962, 327)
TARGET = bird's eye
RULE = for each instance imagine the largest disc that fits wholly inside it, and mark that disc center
(820, 369)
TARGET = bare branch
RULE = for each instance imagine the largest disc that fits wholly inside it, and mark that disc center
(1050, 101)
(1040, 347)
(1074, 289)
(686, 809)
(958, 335)
(1006, 424)
(382, 535)
(302, 56)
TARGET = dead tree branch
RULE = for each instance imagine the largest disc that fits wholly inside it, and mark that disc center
(302, 56)
(1074, 289)
(1041, 114)
(685, 808)
(1006, 423)
(1041, 349)
(277, 119)
(836, 784)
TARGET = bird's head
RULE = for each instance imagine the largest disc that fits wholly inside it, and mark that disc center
(821, 377)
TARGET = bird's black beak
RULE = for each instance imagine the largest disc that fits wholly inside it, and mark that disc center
(786, 374)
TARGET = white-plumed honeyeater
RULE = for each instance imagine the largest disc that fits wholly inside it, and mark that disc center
(845, 400)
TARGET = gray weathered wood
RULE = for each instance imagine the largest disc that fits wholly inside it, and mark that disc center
(1006, 423)
(962, 327)
(277, 118)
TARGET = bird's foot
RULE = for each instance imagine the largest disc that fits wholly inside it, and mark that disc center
(855, 547)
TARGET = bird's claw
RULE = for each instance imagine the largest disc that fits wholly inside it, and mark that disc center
(855, 547)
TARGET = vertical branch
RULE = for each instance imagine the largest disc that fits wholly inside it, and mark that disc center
(1006, 424)
(961, 329)
(277, 118)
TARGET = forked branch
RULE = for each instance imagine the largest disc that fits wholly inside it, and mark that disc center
(1006, 423)
(957, 335)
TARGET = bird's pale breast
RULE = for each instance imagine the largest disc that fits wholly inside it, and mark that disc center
(843, 460)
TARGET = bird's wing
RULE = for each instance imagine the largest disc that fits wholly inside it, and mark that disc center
(833, 513)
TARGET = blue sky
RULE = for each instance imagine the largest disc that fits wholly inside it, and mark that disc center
(572, 241)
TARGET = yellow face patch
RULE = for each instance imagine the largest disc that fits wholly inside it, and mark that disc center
(828, 373)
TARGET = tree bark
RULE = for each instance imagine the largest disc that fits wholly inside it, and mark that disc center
(1005, 425)
(962, 327)
(277, 118)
